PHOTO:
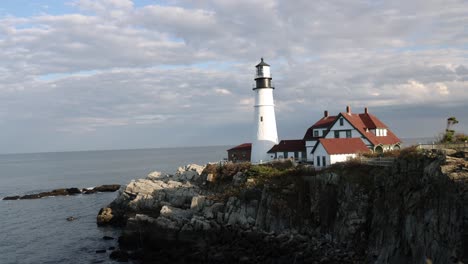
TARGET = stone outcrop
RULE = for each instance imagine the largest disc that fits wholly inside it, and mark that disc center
(65, 192)
(412, 212)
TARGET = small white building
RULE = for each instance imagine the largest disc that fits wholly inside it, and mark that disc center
(332, 150)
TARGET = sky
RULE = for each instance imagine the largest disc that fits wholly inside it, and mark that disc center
(120, 74)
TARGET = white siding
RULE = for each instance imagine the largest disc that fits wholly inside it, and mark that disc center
(346, 126)
(309, 147)
(321, 152)
(330, 159)
(320, 131)
(265, 134)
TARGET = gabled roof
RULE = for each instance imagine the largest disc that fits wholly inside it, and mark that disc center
(364, 122)
(289, 145)
(244, 146)
(343, 145)
(324, 122)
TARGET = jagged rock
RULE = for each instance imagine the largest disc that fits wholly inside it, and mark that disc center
(189, 172)
(397, 214)
(176, 214)
(210, 212)
(104, 216)
(156, 175)
(239, 178)
(200, 223)
(197, 202)
(211, 177)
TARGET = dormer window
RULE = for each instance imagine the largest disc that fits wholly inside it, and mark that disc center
(316, 133)
(341, 122)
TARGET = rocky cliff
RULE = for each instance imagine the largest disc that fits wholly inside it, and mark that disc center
(412, 212)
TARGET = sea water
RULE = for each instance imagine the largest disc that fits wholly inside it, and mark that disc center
(37, 231)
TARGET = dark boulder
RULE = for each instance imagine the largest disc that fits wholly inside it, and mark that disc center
(56, 192)
(89, 191)
(31, 196)
(72, 191)
(16, 197)
(107, 188)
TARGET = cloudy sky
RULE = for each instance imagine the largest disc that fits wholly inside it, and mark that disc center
(113, 74)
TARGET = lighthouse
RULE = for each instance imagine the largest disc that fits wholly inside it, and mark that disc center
(265, 134)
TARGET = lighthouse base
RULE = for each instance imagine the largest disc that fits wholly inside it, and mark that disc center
(259, 151)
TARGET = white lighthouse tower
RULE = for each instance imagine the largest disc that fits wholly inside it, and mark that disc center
(265, 134)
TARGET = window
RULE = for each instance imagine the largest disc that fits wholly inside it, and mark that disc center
(323, 133)
(324, 161)
(348, 133)
(261, 119)
(337, 134)
(316, 133)
(341, 121)
(318, 161)
(260, 71)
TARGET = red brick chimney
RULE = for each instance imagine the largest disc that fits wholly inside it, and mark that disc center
(348, 109)
(325, 113)
(366, 111)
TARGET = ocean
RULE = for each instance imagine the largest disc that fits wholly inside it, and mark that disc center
(36, 231)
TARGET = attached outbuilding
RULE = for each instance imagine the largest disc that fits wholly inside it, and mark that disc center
(332, 150)
(289, 149)
(240, 153)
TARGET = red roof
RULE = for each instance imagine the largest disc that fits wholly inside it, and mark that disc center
(343, 145)
(244, 146)
(324, 122)
(289, 145)
(363, 122)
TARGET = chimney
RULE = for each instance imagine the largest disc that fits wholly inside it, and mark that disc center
(325, 113)
(366, 111)
(348, 109)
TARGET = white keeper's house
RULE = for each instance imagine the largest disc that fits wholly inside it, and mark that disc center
(333, 138)
(329, 140)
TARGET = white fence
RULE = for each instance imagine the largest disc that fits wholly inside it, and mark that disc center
(456, 146)
(382, 162)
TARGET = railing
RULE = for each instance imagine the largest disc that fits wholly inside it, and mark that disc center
(382, 162)
(456, 146)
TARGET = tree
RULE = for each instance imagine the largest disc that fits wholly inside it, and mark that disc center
(449, 132)
(450, 122)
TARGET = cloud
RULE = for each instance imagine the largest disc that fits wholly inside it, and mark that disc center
(118, 64)
(222, 91)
